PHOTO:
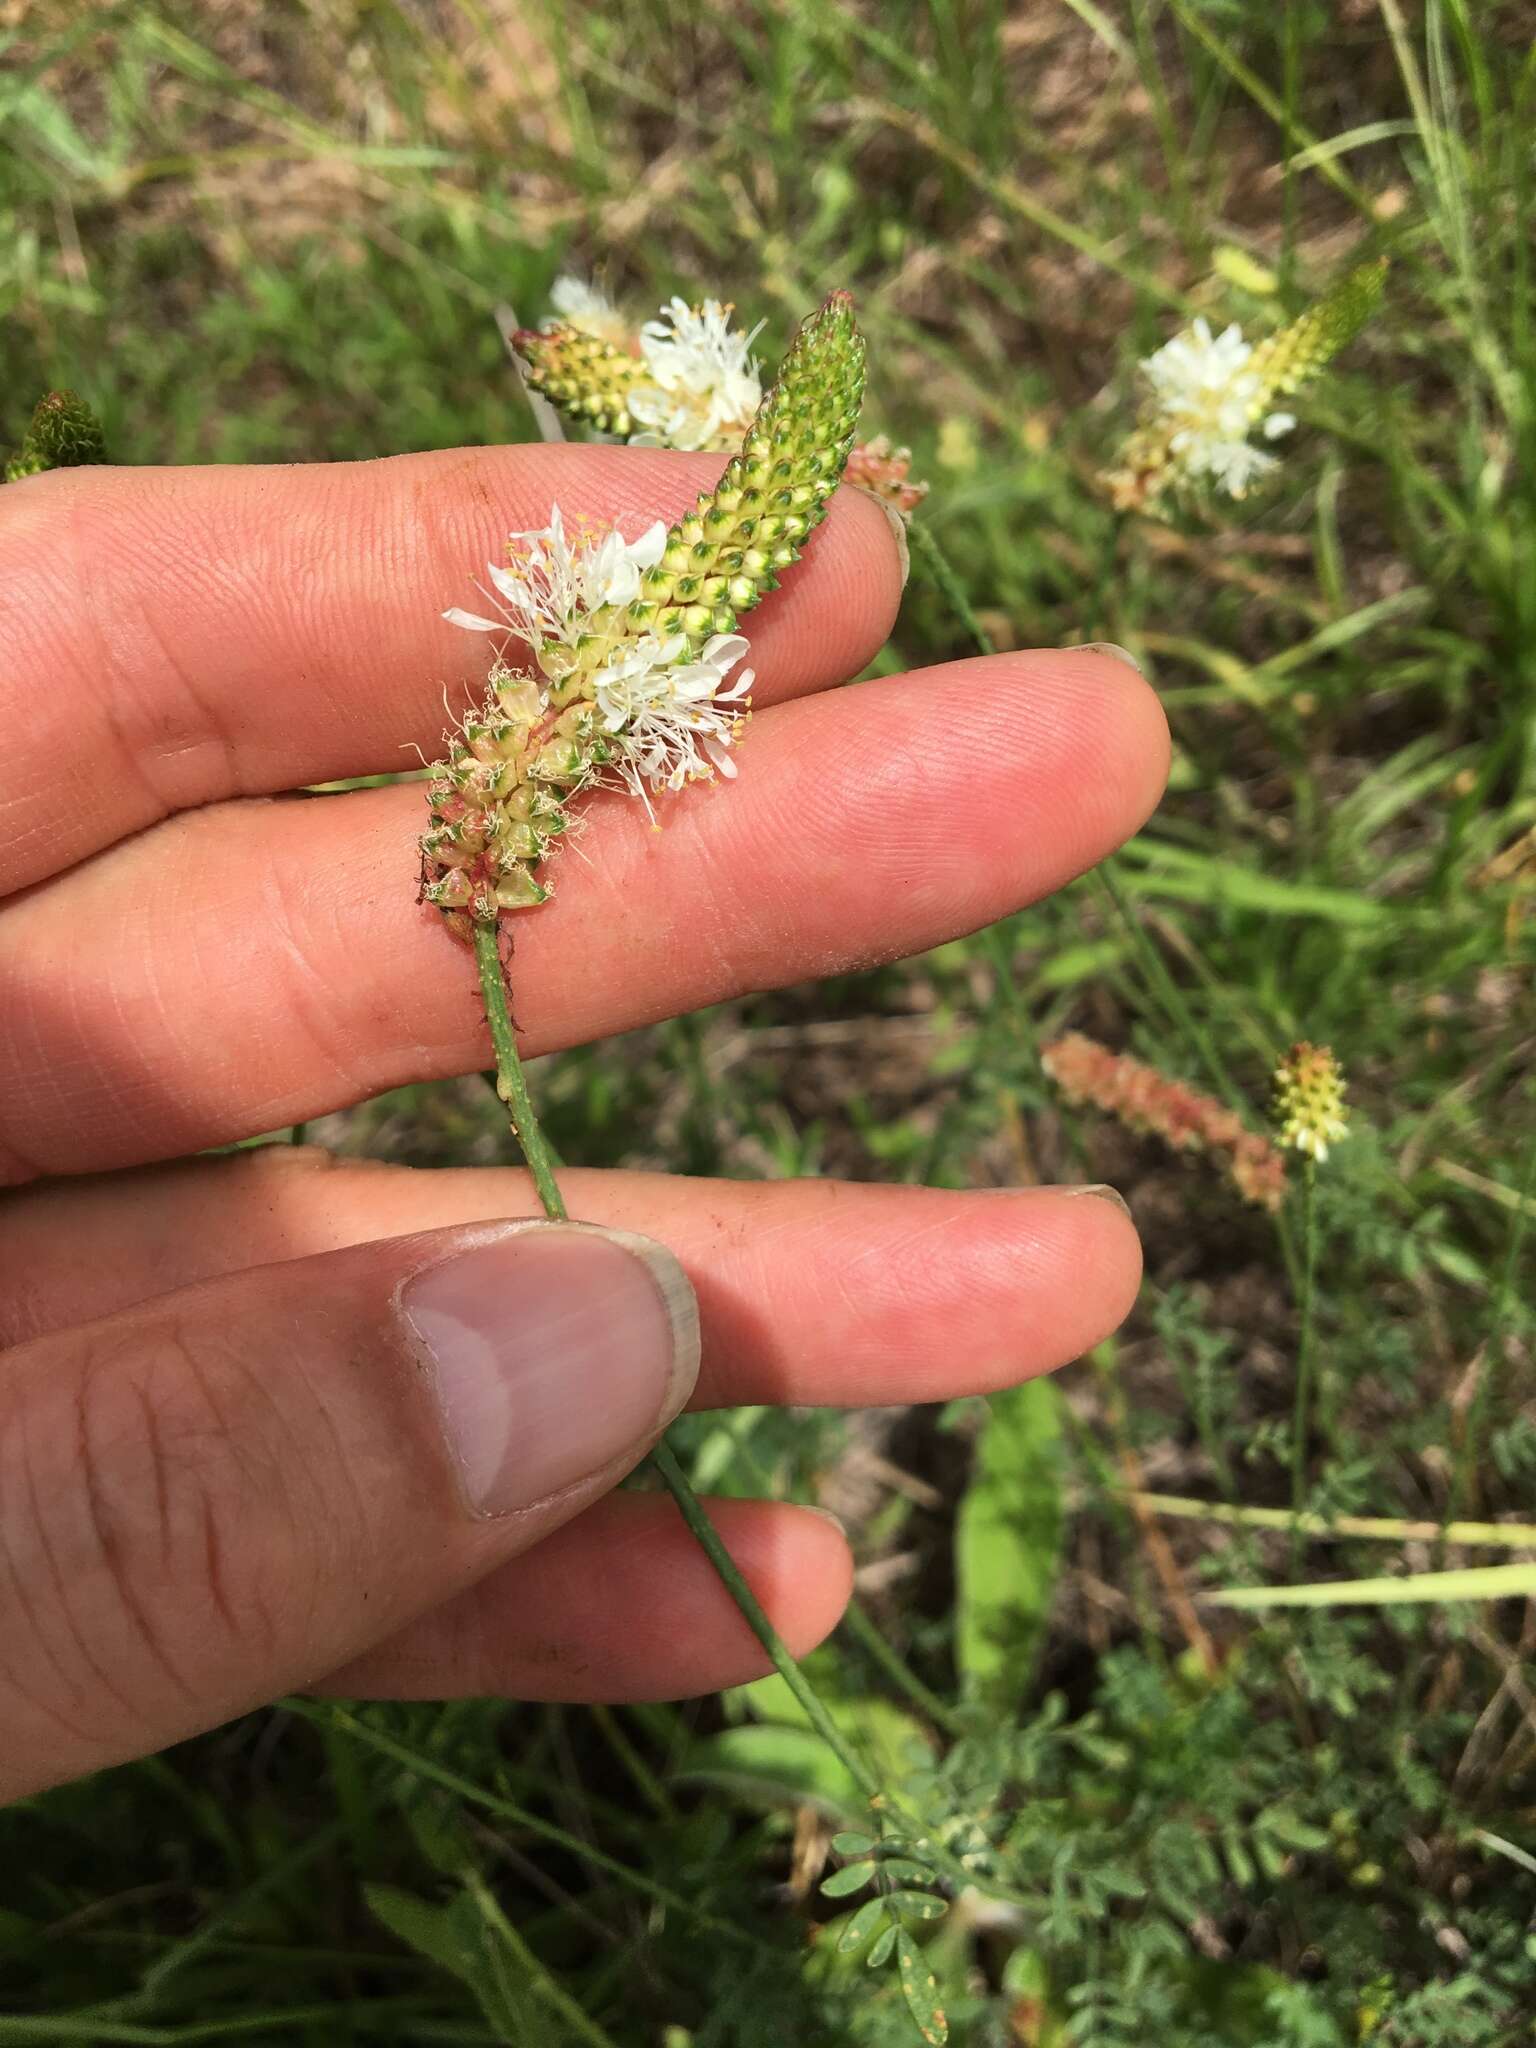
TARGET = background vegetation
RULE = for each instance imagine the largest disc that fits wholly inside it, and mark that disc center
(276, 229)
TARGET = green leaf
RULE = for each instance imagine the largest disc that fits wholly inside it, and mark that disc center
(902, 1870)
(851, 1878)
(863, 1924)
(1008, 1540)
(920, 1989)
(881, 1951)
(1479, 1582)
(428, 1929)
(850, 1844)
(921, 1905)
(1294, 1832)
(894, 1742)
(1164, 870)
(774, 1766)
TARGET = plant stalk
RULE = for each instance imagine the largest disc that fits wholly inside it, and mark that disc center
(1304, 1355)
(941, 570)
(512, 1087)
(511, 1081)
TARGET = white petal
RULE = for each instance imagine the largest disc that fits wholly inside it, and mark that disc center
(724, 650)
(512, 588)
(472, 622)
(1277, 424)
(648, 550)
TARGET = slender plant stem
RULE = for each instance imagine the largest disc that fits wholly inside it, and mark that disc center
(545, 1987)
(689, 1506)
(1304, 1354)
(511, 1082)
(1483, 1400)
(328, 1713)
(864, 1629)
(512, 1087)
(1155, 968)
(939, 567)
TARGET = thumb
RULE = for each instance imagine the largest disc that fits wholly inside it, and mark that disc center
(223, 1493)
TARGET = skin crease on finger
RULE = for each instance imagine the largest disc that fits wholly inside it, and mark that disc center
(898, 1294)
(187, 635)
(273, 959)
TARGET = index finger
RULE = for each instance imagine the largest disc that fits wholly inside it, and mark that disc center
(173, 637)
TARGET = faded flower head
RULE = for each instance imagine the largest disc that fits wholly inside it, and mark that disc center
(1185, 1118)
(1308, 1101)
(886, 472)
(699, 387)
(586, 307)
(639, 677)
(1207, 395)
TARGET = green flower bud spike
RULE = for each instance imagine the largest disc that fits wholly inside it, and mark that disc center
(64, 434)
(586, 377)
(1287, 360)
(632, 690)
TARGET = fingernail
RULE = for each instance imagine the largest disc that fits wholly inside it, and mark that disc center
(827, 1515)
(898, 527)
(553, 1348)
(1119, 653)
(1104, 1193)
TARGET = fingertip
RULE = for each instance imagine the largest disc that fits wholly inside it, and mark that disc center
(1104, 1245)
(805, 1576)
(1125, 709)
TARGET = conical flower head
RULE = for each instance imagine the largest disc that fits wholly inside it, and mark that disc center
(1285, 362)
(1308, 1101)
(588, 378)
(64, 434)
(639, 670)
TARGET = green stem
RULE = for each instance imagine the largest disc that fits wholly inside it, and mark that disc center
(1155, 968)
(703, 1529)
(864, 1629)
(544, 1987)
(511, 1082)
(512, 1087)
(328, 1713)
(1304, 1355)
(938, 565)
(1484, 1399)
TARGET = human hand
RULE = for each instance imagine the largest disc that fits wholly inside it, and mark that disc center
(271, 1422)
